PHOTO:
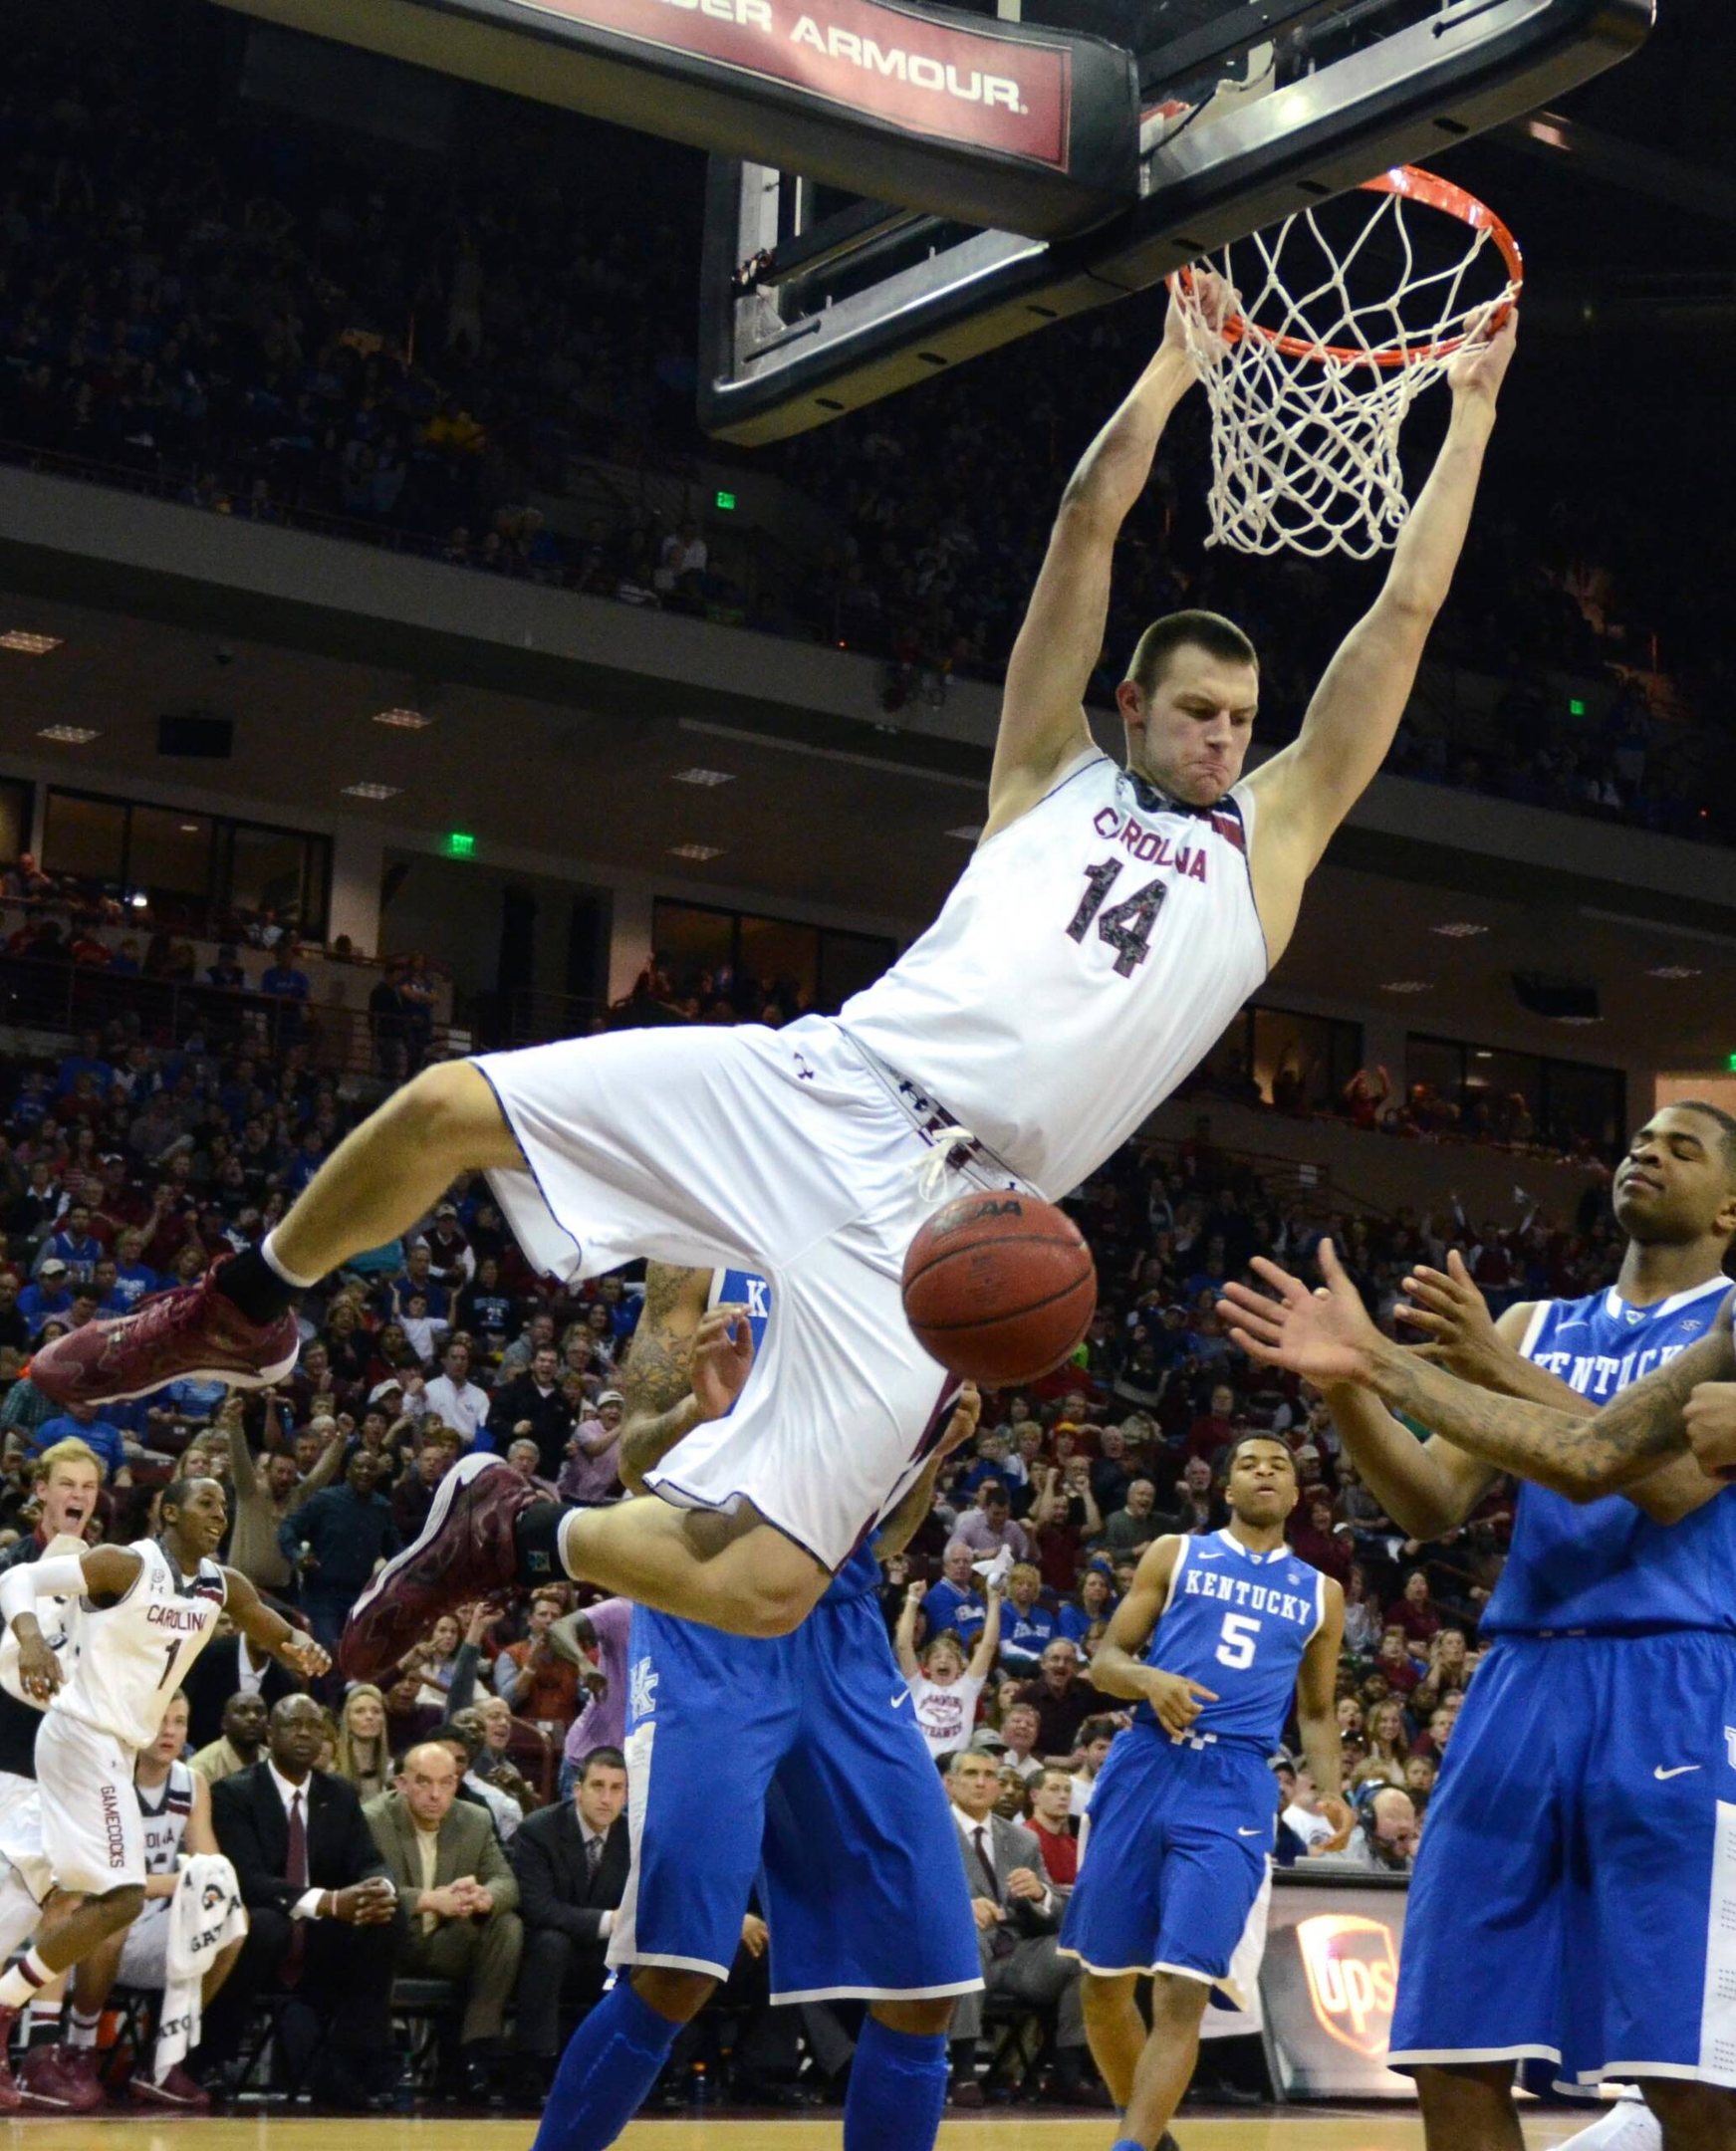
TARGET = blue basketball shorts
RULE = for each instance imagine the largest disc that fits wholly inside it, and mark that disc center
(1175, 1862)
(1574, 1894)
(794, 1763)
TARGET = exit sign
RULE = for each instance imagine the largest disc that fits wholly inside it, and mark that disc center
(460, 845)
(726, 501)
(1576, 708)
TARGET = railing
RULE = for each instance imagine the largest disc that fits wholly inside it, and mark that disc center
(70, 998)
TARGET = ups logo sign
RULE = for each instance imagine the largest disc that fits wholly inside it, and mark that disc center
(1352, 1975)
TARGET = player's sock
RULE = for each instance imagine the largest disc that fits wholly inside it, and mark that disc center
(536, 1540)
(45, 2023)
(252, 1282)
(23, 1980)
(898, 2090)
(82, 2029)
(607, 2074)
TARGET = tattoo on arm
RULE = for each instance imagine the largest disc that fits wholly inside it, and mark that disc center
(659, 1405)
(1581, 1455)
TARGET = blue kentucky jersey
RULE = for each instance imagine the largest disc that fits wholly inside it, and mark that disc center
(1237, 1622)
(745, 1288)
(1604, 1564)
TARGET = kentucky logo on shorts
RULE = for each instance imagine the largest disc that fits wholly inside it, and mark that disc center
(642, 1692)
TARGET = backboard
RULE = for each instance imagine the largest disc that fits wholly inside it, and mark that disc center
(815, 303)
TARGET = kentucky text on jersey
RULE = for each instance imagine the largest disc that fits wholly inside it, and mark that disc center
(1257, 1597)
(1605, 1567)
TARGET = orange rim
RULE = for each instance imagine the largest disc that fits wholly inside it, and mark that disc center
(1433, 192)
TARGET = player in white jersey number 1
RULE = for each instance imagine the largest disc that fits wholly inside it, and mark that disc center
(1109, 926)
(148, 1611)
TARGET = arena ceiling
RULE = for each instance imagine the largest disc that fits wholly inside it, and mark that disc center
(807, 830)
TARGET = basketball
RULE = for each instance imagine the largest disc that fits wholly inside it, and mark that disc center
(1000, 1287)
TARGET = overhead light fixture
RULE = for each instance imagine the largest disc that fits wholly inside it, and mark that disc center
(372, 791)
(1674, 971)
(695, 850)
(1406, 986)
(30, 645)
(70, 735)
(138, 901)
(1458, 929)
(1483, 1054)
(1579, 1021)
(706, 777)
(189, 828)
(968, 834)
(403, 720)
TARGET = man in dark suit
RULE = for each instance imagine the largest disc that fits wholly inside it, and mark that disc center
(572, 1864)
(217, 1673)
(1018, 1916)
(323, 1912)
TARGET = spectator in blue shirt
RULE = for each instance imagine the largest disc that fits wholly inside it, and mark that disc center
(282, 976)
(73, 1246)
(78, 1422)
(134, 1280)
(417, 1276)
(195, 1401)
(309, 1157)
(1027, 1626)
(48, 1295)
(347, 1531)
(88, 1061)
(953, 1603)
(1096, 1602)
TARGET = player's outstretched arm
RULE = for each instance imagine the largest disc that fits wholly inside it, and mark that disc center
(1043, 723)
(1317, 1717)
(1306, 791)
(661, 1404)
(267, 1630)
(1117, 1668)
(1328, 1339)
(104, 1574)
(988, 1649)
(908, 1519)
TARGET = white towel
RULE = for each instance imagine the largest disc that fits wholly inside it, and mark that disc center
(204, 1913)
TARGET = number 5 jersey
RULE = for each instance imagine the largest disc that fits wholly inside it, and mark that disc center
(1087, 958)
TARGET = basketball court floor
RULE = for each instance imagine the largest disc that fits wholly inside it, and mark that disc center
(1285, 2129)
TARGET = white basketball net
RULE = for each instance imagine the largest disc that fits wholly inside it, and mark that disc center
(1306, 419)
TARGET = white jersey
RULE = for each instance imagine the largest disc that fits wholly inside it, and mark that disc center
(1089, 956)
(165, 1813)
(135, 1654)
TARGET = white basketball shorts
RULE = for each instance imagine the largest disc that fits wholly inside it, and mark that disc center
(787, 1152)
(21, 1834)
(91, 1830)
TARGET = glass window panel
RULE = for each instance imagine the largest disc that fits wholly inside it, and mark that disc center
(690, 940)
(848, 963)
(85, 837)
(1585, 1103)
(169, 851)
(776, 952)
(1225, 1068)
(1438, 1062)
(14, 820)
(267, 870)
(1503, 1094)
(1296, 1058)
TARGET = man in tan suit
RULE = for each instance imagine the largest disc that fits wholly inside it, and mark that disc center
(458, 1893)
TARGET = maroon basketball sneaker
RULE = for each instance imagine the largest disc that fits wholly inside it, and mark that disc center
(11, 2098)
(190, 1334)
(176, 2094)
(465, 1551)
(61, 2079)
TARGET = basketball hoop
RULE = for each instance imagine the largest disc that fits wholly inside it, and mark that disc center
(1310, 388)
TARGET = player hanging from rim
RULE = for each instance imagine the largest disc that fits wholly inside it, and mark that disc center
(1134, 908)
(1601, 1716)
(1175, 1853)
(822, 1788)
(147, 1611)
